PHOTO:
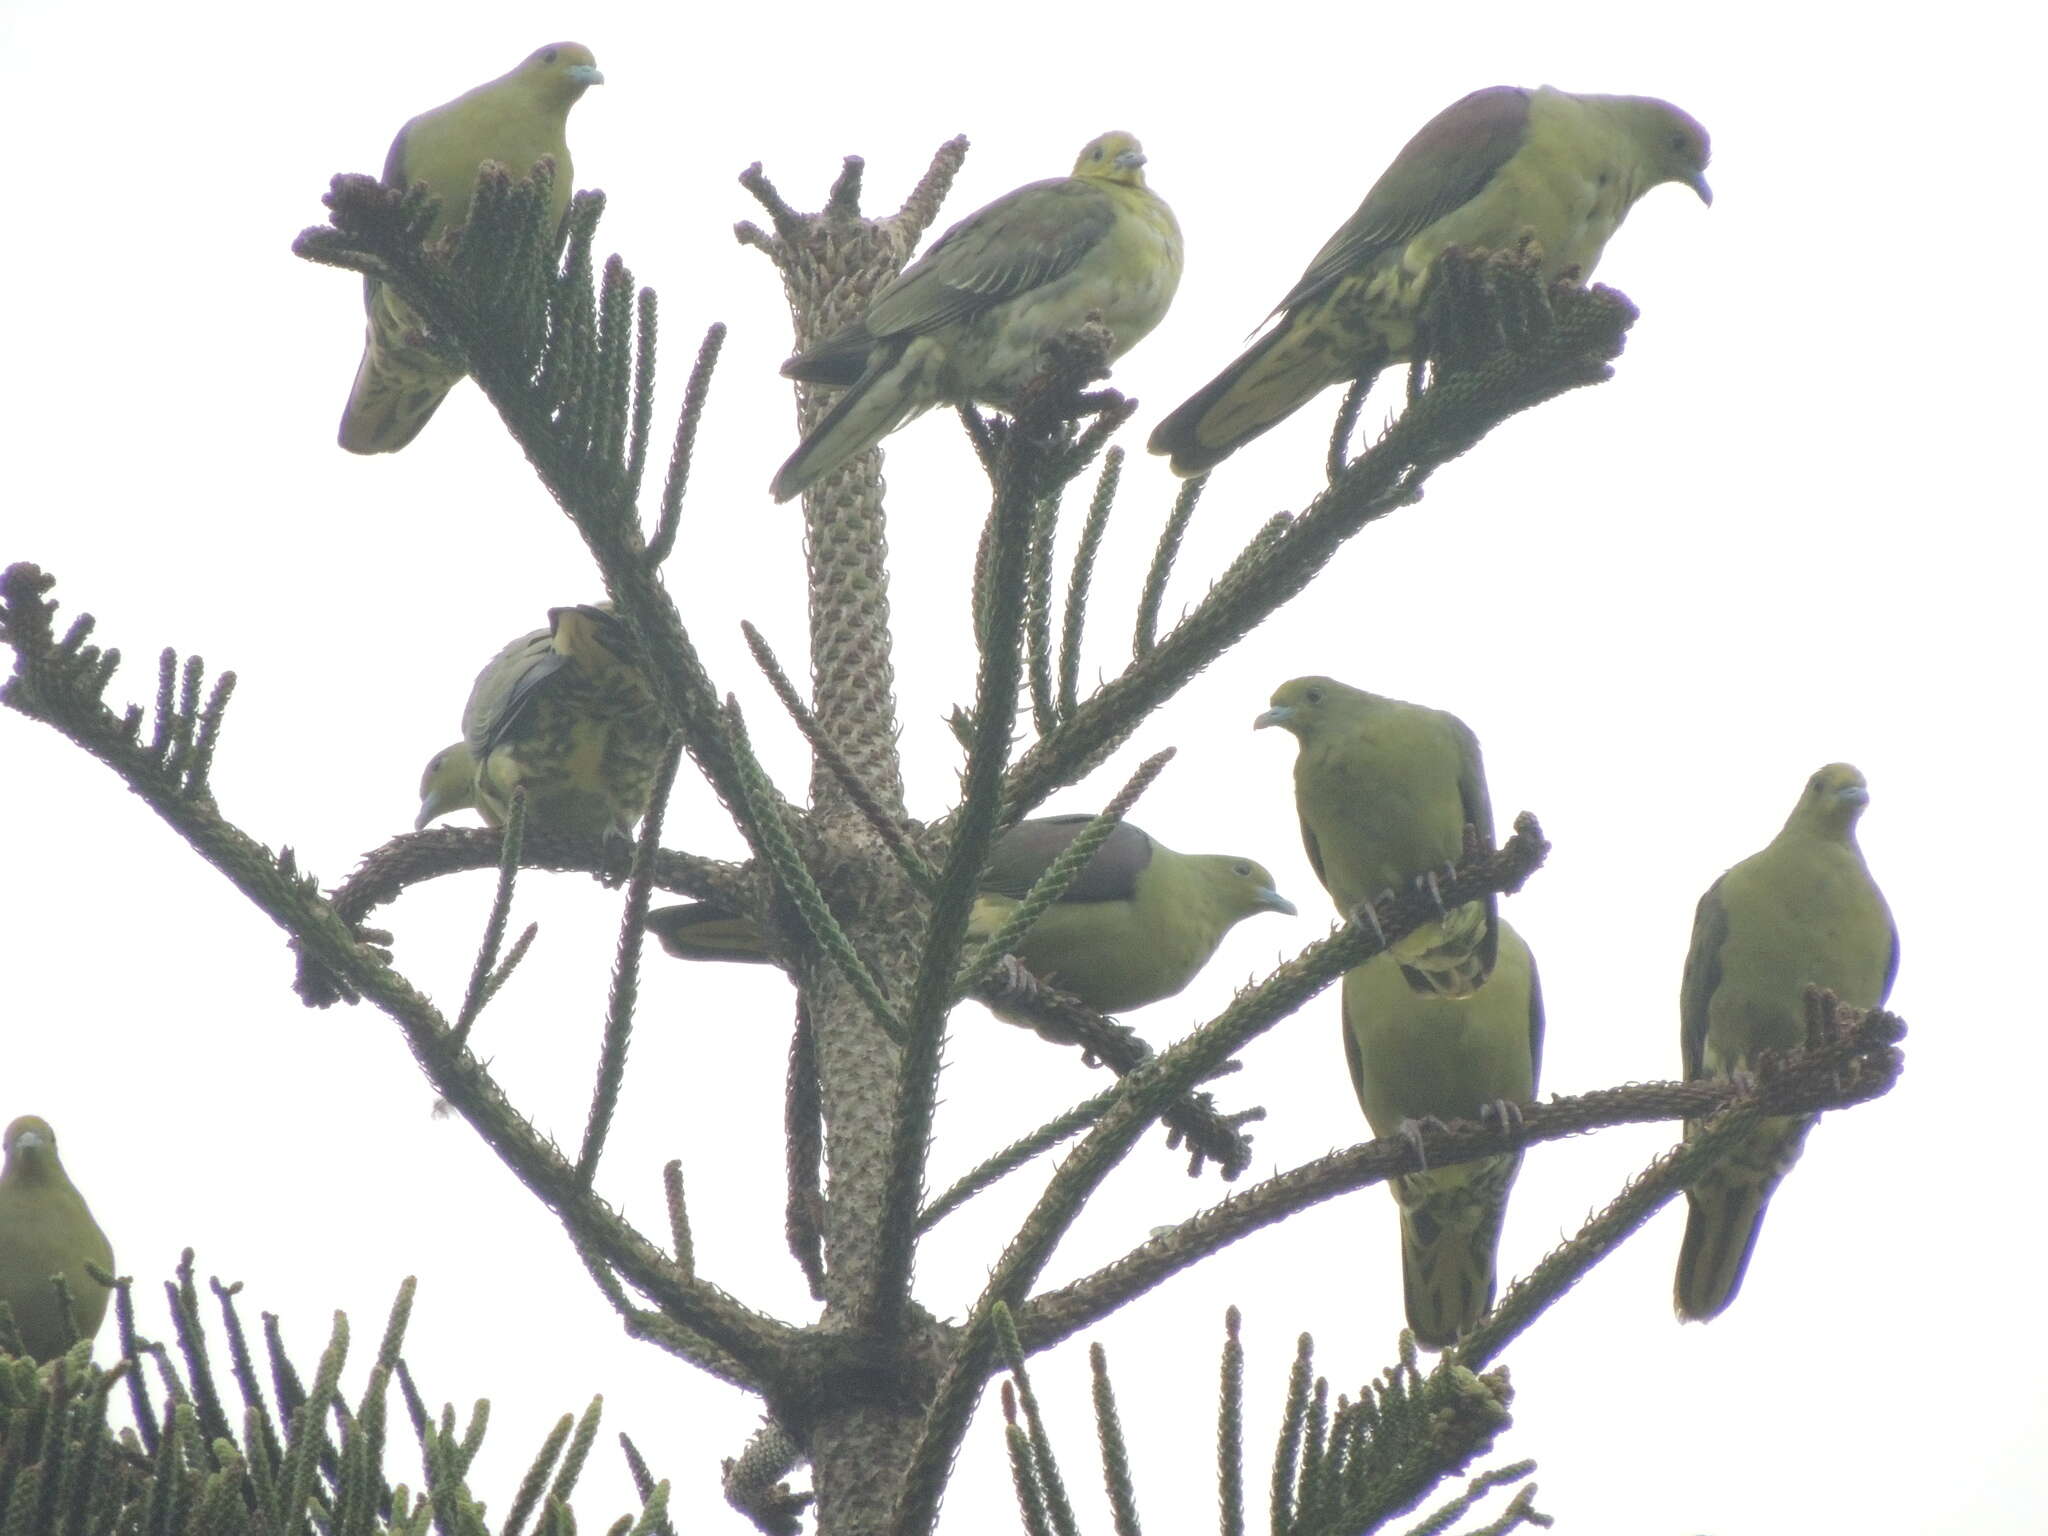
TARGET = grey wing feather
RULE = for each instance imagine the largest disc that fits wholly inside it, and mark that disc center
(1019, 242)
(1028, 849)
(1702, 977)
(506, 686)
(1446, 165)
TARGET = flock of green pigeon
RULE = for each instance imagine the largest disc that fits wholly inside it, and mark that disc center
(1448, 1024)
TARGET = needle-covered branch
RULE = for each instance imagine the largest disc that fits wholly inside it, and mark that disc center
(1860, 1063)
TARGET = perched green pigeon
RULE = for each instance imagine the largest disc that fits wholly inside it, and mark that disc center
(566, 712)
(968, 320)
(1385, 791)
(46, 1230)
(515, 120)
(1481, 172)
(1135, 925)
(1802, 912)
(1415, 1057)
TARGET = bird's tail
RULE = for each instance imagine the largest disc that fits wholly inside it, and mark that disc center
(400, 382)
(1452, 958)
(885, 397)
(697, 930)
(1450, 1236)
(1277, 374)
(1725, 1213)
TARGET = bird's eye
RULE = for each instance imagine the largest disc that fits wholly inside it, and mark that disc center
(547, 56)
(1314, 695)
(1680, 143)
(1241, 868)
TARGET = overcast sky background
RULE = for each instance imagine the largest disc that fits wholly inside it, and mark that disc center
(1794, 529)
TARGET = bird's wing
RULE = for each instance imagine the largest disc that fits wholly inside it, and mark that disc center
(1702, 977)
(1446, 165)
(1017, 243)
(1028, 849)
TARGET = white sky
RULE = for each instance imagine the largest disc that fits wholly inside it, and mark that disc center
(1791, 531)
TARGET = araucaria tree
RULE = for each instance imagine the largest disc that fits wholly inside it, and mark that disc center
(866, 902)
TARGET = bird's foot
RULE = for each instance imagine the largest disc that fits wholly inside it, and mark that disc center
(1427, 881)
(1411, 1131)
(1505, 1111)
(1014, 978)
(1366, 913)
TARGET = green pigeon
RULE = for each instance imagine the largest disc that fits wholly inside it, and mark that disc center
(1480, 173)
(566, 713)
(969, 319)
(1802, 912)
(46, 1230)
(1135, 925)
(1385, 791)
(1416, 1057)
(515, 120)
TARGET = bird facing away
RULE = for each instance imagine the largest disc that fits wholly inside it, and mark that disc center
(566, 713)
(1802, 912)
(968, 320)
(1134, 926)
(1415, 1057)
(515, 120)
(1385, 791)
(45, 1230)
(1480, 173)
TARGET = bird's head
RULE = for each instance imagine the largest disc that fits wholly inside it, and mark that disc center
(1298, 705)
(561, 71)
(31, 1150)
(1243, 886)
(1833, 798)
(1678, 147)
(449, 784)
(1113, 157)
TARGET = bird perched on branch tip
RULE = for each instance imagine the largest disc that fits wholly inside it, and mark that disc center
(968, 320)
(516, 121)
(1490, 167)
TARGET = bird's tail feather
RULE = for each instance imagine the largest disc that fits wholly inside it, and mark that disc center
(884, 399)
(1450, 1237)
(696, 930)
(400, 382)
(1455, 957)
(1276, 375)
(1725, 1212)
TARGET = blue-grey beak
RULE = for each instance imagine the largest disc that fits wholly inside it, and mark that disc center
(585, 74)
(1279, 715)
(1698, 182)
(1273, 901)
(1131, 159)
(1854, 794)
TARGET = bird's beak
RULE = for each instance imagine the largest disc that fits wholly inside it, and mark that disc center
(1698, 182)
(27, 1141)
(435, 804)
(1854, 794)
(1273, 901)
(584, 74)
(1279, 714)
(1131, 159)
